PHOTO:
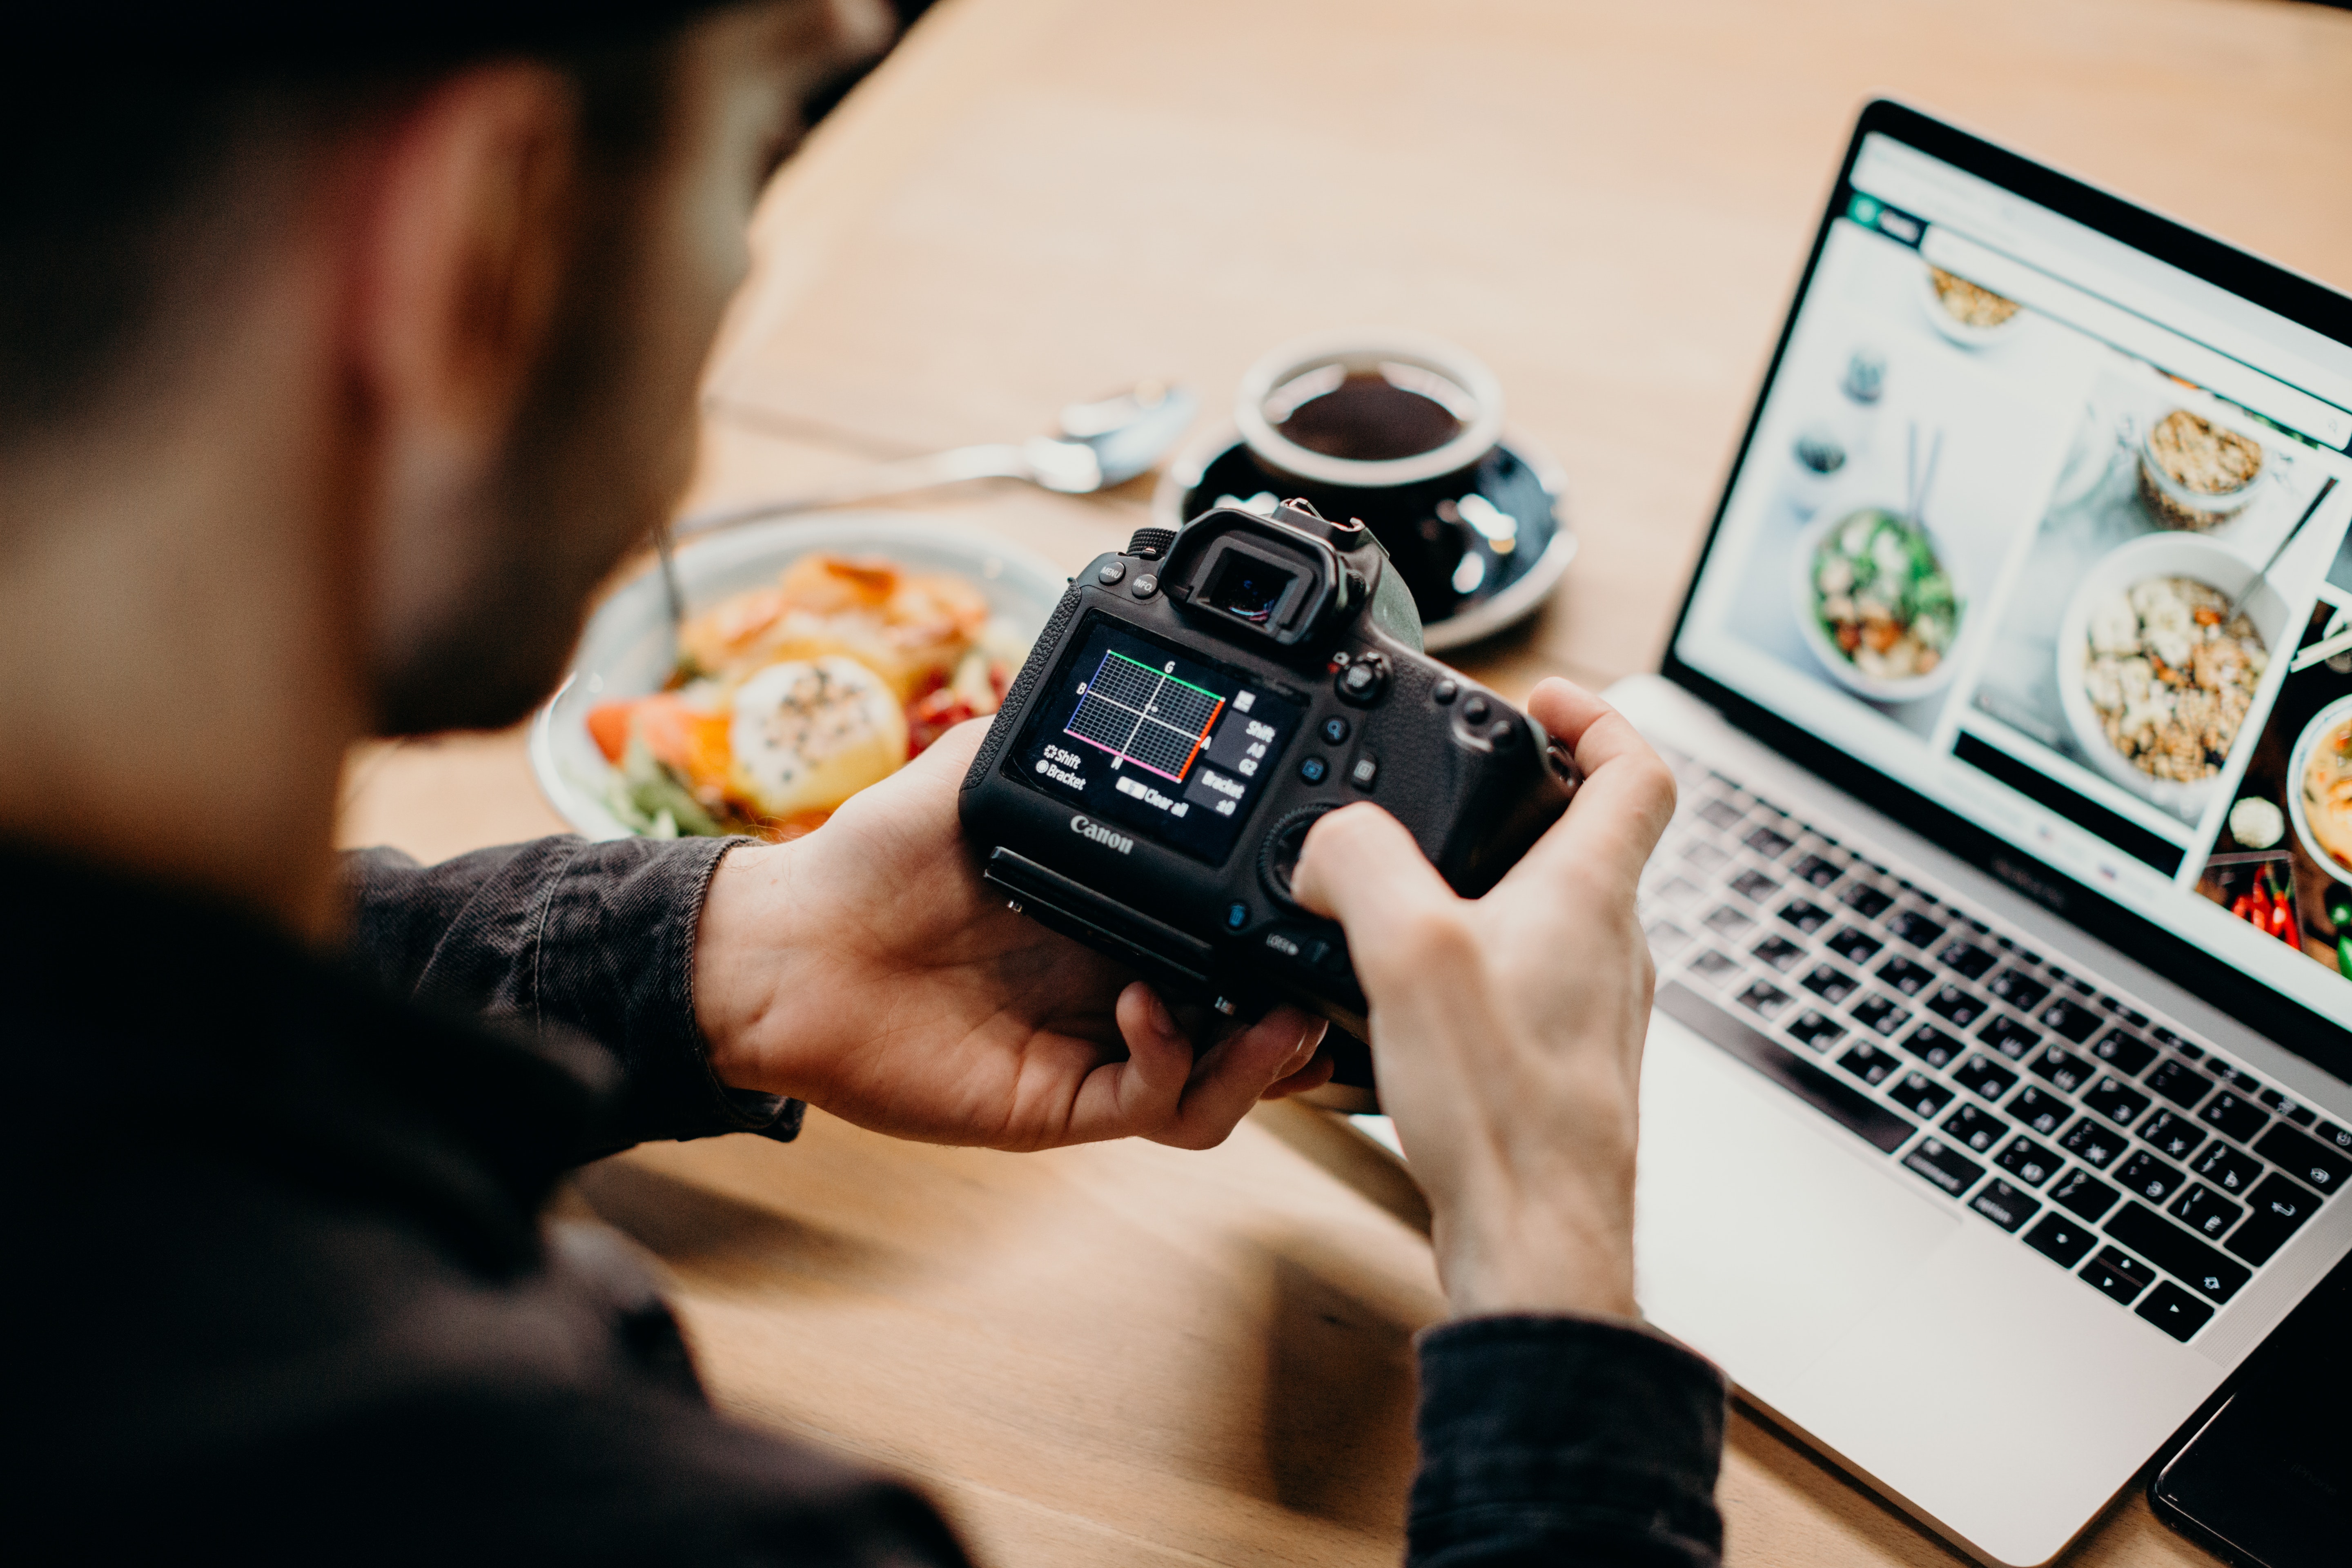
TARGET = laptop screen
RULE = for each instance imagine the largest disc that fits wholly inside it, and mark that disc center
(2054, 533)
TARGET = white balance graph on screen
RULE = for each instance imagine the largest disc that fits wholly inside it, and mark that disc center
(1144, 716)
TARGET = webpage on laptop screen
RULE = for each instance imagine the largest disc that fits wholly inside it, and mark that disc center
(2000, 534)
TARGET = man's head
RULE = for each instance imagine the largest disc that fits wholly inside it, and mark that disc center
(486, 257)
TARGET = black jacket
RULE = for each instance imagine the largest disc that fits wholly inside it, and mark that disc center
(283, 1291)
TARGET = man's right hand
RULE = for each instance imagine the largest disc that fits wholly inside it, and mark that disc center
(1507, 1030)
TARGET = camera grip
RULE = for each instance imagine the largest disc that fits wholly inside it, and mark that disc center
(1041, 654)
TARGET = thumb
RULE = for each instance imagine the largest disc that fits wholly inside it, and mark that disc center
(1360, 868)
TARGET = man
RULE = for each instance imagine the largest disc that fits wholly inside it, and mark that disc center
(339, 359)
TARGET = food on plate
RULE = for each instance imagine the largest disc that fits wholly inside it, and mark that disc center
(2201, 459)
(2256, 824)
(2269, 907)
(2171, 684)
(2327, 785)
(1968, 304)
(793, 697)
(1883, 598)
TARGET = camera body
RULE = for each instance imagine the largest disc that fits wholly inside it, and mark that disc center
(1195, 703)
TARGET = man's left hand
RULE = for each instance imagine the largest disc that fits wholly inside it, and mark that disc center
(867, 970)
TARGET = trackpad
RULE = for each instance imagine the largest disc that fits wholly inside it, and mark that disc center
(1758, 1240)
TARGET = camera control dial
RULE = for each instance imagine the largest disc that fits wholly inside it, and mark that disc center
(1363, 679)
(1277, 858)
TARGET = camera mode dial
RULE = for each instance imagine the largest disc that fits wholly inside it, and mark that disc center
(1363, 679)
(1277, 858)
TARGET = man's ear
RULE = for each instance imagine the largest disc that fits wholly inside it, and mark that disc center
(463, 246)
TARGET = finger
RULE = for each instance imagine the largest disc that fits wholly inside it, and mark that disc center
(1145, 1092)
(1624, 803)
(1229, 1078)
(1360, 868)
(1314, 1075)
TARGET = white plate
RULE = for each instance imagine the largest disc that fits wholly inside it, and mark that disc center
(2191, 555)
(2299, 758)
(1951, 326)
(627, 652)
(1832, 657)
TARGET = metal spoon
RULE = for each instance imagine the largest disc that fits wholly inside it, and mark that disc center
(1096, 446)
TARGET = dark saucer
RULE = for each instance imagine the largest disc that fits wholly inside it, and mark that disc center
(1481, 548)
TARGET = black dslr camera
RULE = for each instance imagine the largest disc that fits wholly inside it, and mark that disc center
(1195, 704)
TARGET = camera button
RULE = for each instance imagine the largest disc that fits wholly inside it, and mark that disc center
(1314, 769)
(1236, 916)
(1444, 692)
(1504, 735)
(1335, 729)
(1143, 587)
(1366, 769)
(1363, 679)
(1110, 574)
(1476, 708)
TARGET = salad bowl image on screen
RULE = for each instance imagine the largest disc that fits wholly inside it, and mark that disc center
(1195, 704)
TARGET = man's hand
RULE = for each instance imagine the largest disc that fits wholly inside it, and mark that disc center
(867, 970)
(1507, 1030)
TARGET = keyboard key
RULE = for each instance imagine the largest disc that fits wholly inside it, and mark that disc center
(2280, 1207)
(2301, 1115)
(2084, 1193)
(1868, 1063)
(1965, 956)
(2206, 1212)
(2059, 1238)
(2029, 1161)
(2231, 1170)
(2040, 1110)
(1932, 1046)
(1830, 983)
(2128, 1054)
(2010, 1038)
(1722, 814)
(1865, 901)
(1755, 887)
(1977, 1128)
(2177, 1082)
(1813, 869)
(2004, 1204)
(1914, 927)
(2071, 1019)
(1728, 921)
(2061, 1068)
(1855, 947)
(1980, 1075)
(2140, 1230)
(1815, 1031)
(2175, 1311)
(2111, 1100)
(1962, 1008)
(2019, 989)
(1920, 1095)
(2149, 1176)
(1906, 976)
(1805, 916)
(1715, 967)
(2336, 1137)
(1879, 1013)
(1667, 938)
(1706, 857)
(1769, 844)
(1765, 998)
(1948, 1168)
(2172, 1135)
(2324, 1166)
(1778, 952)
(2237, 1116)
(2093, 1142)
(2119, 1273)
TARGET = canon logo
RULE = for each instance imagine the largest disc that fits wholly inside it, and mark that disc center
(1087, 827)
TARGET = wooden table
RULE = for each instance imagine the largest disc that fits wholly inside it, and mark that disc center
(1124, 1354)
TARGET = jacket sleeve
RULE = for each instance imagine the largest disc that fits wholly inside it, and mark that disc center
(1565, 1440)
(563, 937)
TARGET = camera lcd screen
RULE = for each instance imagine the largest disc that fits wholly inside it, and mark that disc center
(1140, 734)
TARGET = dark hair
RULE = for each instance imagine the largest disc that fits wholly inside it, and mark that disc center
(131, 196)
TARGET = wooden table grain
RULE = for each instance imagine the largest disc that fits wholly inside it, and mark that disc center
(1126, 1354)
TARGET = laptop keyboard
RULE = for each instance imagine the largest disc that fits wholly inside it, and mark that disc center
(2159, 1173)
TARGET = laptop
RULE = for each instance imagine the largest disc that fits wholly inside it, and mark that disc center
(1997, 1093)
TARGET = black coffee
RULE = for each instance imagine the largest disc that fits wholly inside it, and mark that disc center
(1369, 419)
